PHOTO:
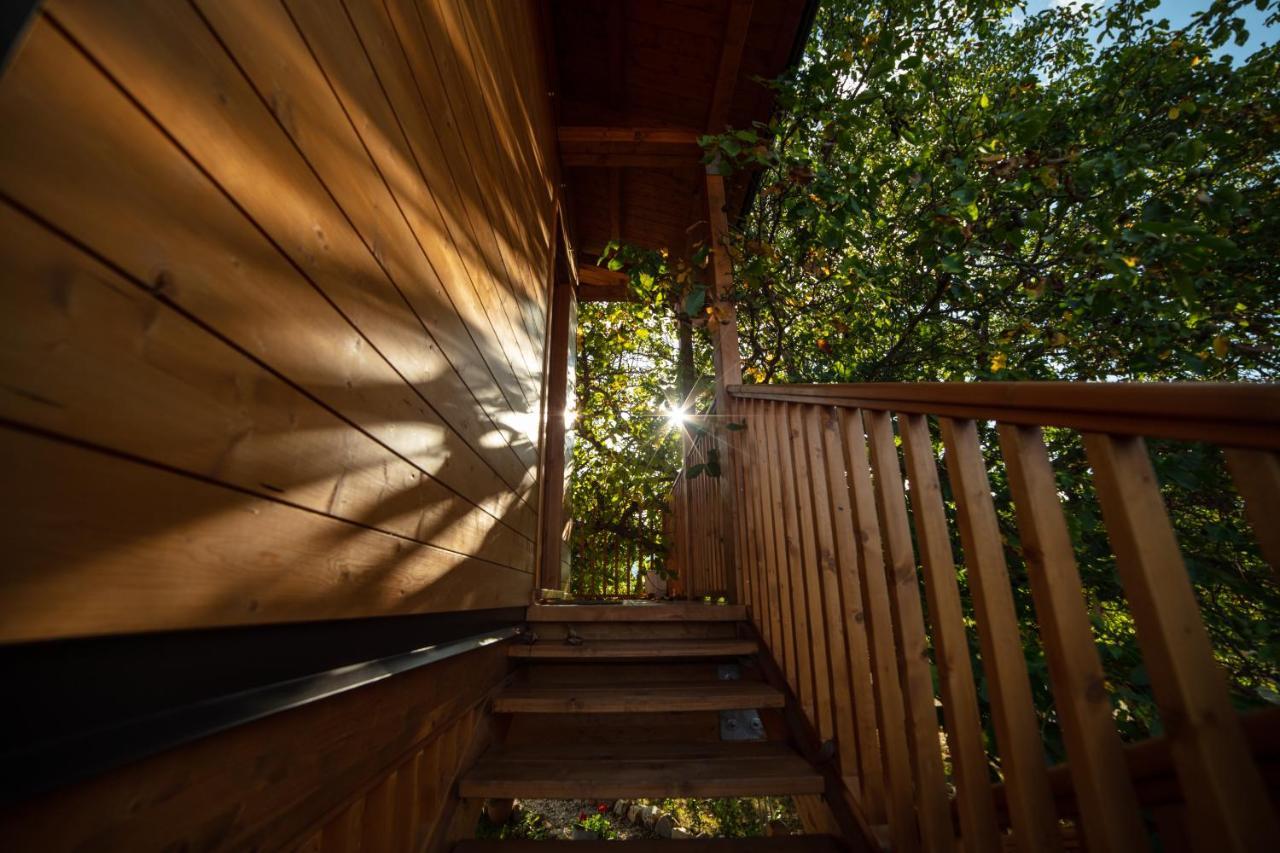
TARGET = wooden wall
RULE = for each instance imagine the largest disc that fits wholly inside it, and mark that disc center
(371, 770)
(272, 326)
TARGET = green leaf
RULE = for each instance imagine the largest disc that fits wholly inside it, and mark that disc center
(694, 302)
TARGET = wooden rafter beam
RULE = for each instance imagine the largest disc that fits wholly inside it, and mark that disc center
(631, 161)
(597, 284)
(572, 135)
(615, 204)
(735, 38)
(604, 293)
(589, 274)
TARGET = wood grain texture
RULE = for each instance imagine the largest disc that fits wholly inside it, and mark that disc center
(637, 697)
(625, 649)
(1096, 760)
(793, 561)
(652, 770)
(911, 643)
(840, 683)
(850, 567)
(1257, 477)
(1154, 409)
(811, 605)
(198, 92)
(1018, 736)
(255, 786)
(898, 769)
(637, 612)
(1225, 792)
(187, 400)
(258, 270)
(950, 642)
(183, 551)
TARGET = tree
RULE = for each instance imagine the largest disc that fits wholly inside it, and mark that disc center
(627, 449)
(953, 192)
(960, 191)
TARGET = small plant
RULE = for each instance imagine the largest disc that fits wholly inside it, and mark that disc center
(597, 824)
(523, 825)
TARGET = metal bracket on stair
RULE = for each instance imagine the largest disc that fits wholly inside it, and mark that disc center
(743, 724)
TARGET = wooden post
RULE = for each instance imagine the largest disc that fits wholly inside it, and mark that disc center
(723, 323)
(552, 521)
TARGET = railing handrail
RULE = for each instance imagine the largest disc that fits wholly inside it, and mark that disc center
(843, 534)
(1230, 414)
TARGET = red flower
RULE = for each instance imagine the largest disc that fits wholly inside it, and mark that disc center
(582, 816)
(602, 808)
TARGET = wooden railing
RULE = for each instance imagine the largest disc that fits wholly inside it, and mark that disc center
(698, 555)
(612, 561)
(837, 537)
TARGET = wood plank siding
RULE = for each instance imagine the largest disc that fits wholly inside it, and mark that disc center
(274, 323)
(277, 783)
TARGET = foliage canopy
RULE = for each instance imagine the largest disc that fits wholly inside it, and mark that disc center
(963, 191)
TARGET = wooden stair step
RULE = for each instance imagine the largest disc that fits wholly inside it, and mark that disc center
(772, 844)
(609, 771)
(637, 698)
(646, 611)
(633, 649)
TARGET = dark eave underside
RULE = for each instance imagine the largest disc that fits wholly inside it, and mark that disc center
(637, 82)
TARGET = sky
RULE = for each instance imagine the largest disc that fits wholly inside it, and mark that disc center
(1179, 13)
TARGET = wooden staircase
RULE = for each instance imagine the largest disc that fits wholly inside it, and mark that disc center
(625, 700)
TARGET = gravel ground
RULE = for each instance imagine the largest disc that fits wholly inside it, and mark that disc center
(562, 814)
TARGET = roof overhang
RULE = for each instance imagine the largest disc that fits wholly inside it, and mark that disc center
(637, 82)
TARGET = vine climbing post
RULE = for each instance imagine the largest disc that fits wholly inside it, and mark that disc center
(722, 321)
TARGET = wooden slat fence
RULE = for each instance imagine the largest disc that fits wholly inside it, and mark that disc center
(612, 563)
(856, 505)
(697, 552)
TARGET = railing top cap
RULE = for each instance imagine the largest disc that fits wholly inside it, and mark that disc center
(1231, 414)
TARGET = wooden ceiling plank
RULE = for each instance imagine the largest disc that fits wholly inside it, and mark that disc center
(655, 135)
(572, 159)
(615, 204)
(735, 37)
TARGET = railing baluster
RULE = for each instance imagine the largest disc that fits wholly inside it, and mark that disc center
(1012, 707)
(745, 523)
(950, 642)
(820, 546)
(795, 564)
(1106, 799)
(899, 776)
(840, 685)
(758, 489)
(764, 511)
(913, 652)
(849, 569)
(1257, 477)
(742, 571)
(1225, 795)
(807, 511)
(781, 564)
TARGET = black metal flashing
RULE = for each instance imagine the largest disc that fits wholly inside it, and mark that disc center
(76, 708)
(15, 20)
